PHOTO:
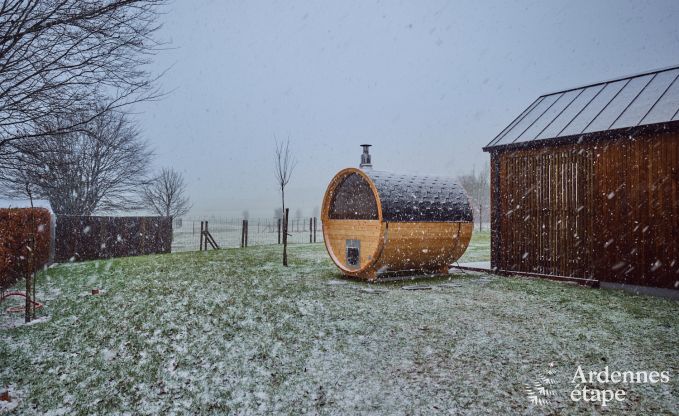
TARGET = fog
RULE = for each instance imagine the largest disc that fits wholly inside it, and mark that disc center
(428, 83)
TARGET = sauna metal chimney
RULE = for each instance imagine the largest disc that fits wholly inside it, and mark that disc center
(365, 157)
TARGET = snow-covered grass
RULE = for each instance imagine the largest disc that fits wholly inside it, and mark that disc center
(478, 248)
(233, 331)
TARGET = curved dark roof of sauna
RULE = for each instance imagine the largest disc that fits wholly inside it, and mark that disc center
(606, 109)
(410, 198)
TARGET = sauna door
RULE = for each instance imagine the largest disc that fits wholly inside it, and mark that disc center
(353, 254)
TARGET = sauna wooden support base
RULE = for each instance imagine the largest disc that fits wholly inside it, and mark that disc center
(403, 275)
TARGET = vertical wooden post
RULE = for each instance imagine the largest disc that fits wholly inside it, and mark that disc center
(285, 236)
(279, 231)
(200, 246)
(242, 233)
(315, 227)
(207, 231)
(247, 231)
(311, 232)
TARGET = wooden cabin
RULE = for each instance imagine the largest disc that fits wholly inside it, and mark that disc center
(379, 224)
(585, 184)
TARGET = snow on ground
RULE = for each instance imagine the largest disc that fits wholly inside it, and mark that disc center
(15, 320)
(232, 331)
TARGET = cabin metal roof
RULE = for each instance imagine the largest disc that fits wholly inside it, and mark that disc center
(649, 98)
(413, 198)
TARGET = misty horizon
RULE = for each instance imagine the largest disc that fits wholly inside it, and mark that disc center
(427, 84)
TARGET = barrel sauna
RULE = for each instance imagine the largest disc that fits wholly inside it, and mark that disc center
(378, 224)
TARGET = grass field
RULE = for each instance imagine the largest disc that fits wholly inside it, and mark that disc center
(232, 331)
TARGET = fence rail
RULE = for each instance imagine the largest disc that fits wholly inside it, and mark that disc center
(229, 232)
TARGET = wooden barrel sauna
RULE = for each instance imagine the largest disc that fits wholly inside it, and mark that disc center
(379, 224)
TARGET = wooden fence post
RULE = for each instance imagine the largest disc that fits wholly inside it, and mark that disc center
(247, 231)
(311, 236)
(279, 231)
(314, 229)
(244, 234)
(205, 239)
(200, 243)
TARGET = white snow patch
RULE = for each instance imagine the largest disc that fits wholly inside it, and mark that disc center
(17, 320)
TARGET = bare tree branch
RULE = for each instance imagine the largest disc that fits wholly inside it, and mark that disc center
(99, 167)
(65, 57)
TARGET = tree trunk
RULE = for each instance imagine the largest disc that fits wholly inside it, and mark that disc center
(285, 228)
(285, 238)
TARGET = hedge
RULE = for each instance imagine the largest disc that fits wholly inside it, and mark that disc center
(17, 226)
(90, 238)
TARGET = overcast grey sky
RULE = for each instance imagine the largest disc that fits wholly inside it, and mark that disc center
(428, 83)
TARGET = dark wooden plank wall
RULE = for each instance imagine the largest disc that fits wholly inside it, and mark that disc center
(607, 210)
(88, 238)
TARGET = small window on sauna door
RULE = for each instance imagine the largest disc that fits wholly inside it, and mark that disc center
(353, 199)
(353, 254)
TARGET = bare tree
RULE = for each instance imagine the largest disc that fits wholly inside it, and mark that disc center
(478, 188)
(284, 165)
(166, 194)
(66, 57)
(97, 168)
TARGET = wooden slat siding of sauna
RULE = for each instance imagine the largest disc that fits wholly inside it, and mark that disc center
(497, 211)
(635, 204)
(403, 248)
(544, 197)
(368, 231)
(525, 205)
(518, 211)
(663, 241)
(511, 210)
(669, 183)
(651, 236)
(565, 214)
(655, 210)
(675, 206)
(644, 176)
(665, 203)
(633, 199)
(643, 208)
(606, 224)
(494, 210)
(572, 215)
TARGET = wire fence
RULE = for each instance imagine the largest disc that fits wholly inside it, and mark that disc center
(228, 232)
